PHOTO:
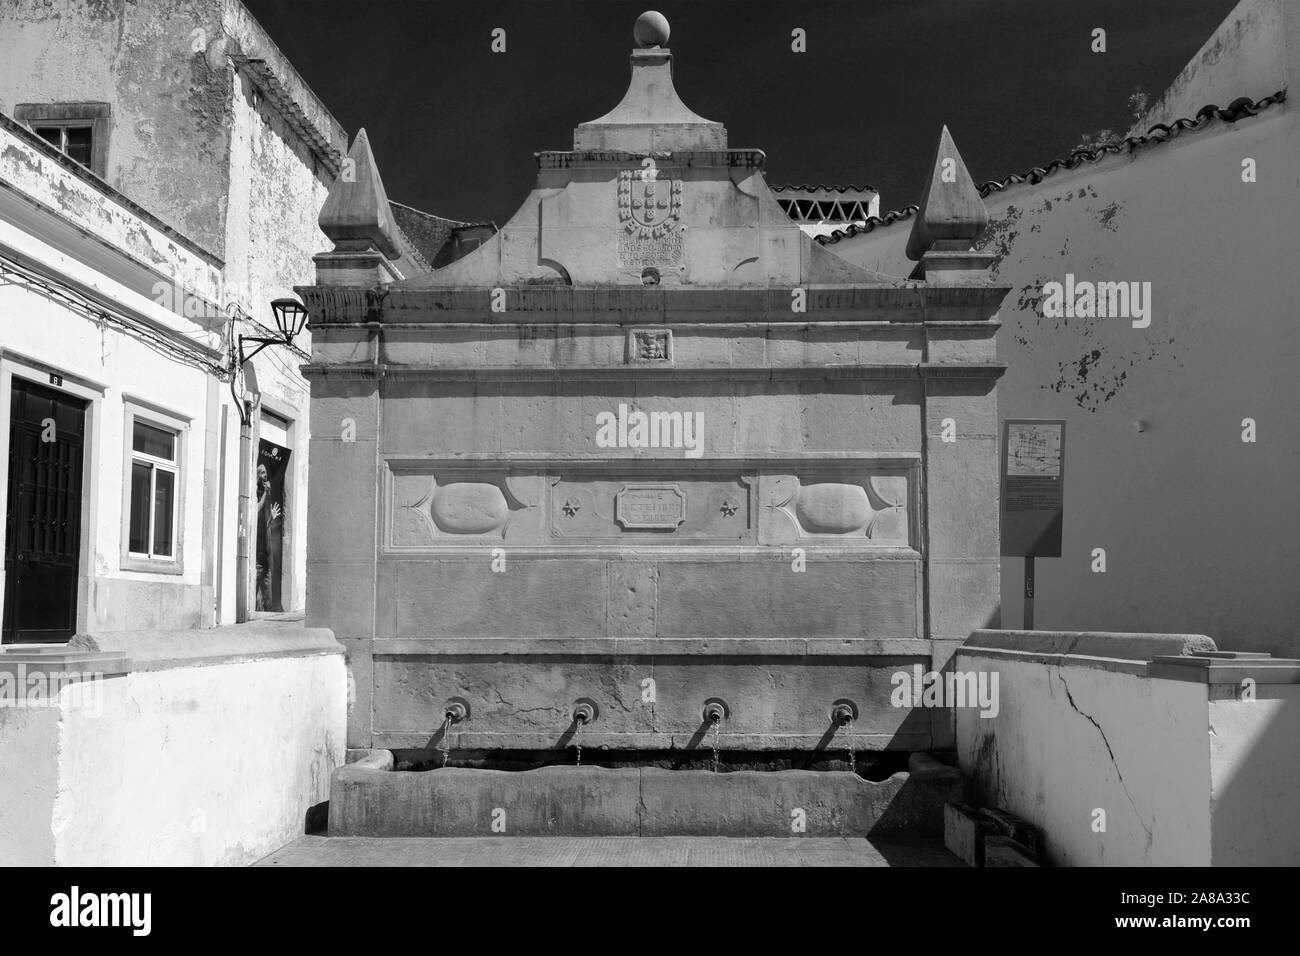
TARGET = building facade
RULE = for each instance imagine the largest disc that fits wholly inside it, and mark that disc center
(650, 435)
(162, 166)
(1181, 443)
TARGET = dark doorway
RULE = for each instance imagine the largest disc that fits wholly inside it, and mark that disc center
(43, 514)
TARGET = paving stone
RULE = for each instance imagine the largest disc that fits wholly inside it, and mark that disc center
(607, 851)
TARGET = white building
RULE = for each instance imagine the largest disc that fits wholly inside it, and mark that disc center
(161, 172)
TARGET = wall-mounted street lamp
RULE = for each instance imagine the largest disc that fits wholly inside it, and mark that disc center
(290, 317)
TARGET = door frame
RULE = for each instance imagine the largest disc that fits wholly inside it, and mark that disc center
(13, 364)
(293, 533)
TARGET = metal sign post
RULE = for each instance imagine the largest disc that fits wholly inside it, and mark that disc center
(1033, 495)
(1029, 593)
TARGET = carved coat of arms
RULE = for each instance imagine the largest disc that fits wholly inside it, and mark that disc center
(648, 207)
(649, 211)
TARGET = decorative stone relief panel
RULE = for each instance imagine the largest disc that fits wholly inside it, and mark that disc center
(455, 506)
(700, 506)
(856, 503)
(649, 346)
(824, 505)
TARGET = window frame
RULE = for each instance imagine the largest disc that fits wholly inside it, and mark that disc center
(178, 426)
(72, 115)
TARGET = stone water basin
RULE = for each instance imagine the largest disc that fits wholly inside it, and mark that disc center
(370, 798)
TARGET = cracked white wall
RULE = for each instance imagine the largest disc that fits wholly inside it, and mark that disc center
(1071, 740)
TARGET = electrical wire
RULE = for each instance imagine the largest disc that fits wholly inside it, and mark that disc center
(13, 273)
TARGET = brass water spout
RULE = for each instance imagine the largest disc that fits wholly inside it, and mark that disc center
(843, 713)
(456, 710)
(715, 710)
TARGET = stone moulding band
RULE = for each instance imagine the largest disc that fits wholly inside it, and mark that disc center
(824, 648)
(604, 158)
(654, 305)
(982, 370)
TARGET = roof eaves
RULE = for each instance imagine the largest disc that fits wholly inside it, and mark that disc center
(1240, 108)
(316, 139)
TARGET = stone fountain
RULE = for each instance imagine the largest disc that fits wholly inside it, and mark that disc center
(649, 446)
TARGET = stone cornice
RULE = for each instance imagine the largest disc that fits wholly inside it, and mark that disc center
(570, 305)
(621, 373)
(601, 158)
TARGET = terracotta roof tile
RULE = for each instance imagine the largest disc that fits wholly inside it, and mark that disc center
(1239, 108)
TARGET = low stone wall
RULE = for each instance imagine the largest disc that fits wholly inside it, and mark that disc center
(178, 748)
(1137, 749)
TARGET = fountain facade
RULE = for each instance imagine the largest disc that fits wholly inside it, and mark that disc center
(653, 448)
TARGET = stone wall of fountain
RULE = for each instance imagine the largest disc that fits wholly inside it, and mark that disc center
(647, 447)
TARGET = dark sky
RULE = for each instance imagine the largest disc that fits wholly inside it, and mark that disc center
(454, 126)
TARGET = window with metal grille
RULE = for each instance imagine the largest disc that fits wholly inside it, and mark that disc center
(155, 474)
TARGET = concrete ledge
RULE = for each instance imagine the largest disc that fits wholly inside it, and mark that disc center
(49, 660)
(257, 640)
(1224, 668)
(1117, 645)
(655, 647)
(1113, 664)
(647, 801)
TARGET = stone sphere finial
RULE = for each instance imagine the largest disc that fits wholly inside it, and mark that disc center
(651, 29)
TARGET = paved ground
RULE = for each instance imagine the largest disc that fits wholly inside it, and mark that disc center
(607, 851)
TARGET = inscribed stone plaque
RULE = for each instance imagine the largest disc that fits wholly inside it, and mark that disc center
(660, 506)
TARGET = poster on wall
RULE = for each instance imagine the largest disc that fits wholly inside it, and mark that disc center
(272, 467)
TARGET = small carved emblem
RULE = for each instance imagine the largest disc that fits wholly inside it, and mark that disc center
(650, 345)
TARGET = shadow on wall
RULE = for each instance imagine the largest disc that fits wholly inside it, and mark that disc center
(1253, 768)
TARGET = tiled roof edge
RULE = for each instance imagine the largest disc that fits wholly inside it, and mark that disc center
(432, 215)
(1159, 133)
(819, 188)
(317, 140)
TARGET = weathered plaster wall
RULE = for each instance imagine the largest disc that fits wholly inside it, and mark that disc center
(1199, 528)
(1070, 740)
(170, 105)
(255, 743)
(247, 722)
(28, 738)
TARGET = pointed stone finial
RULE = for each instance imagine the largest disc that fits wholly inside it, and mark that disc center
(952, 214)
(356, 214)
